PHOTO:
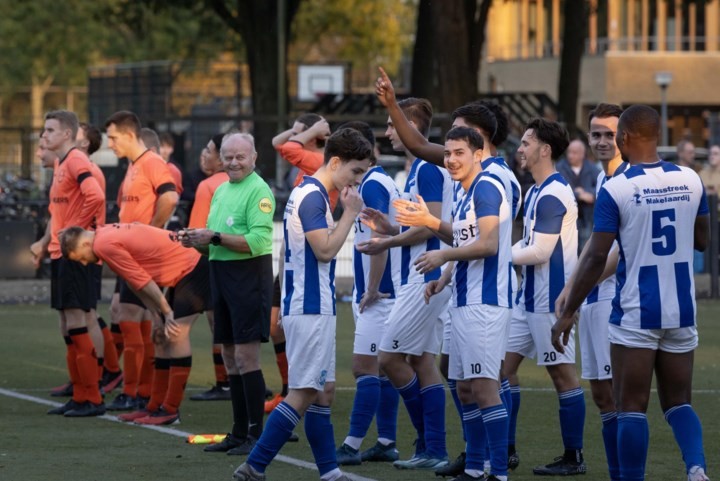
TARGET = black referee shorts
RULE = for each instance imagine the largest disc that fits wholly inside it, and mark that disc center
(71, 285)
(242, 297)
(192, 294)
(276, 292)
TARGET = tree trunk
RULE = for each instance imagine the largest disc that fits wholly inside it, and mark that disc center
(574, 35)
(423, 80)
(256, 22)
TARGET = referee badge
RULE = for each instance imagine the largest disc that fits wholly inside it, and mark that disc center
(229, 221)
(265, 205)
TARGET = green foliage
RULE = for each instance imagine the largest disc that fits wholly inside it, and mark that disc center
(367, 33)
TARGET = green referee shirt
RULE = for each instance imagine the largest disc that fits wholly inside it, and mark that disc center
(244, 208)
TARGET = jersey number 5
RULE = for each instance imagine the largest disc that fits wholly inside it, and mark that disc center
(663, 233)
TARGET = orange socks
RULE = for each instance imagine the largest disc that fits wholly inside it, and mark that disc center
(117, 337)
(221, 375)
(179, 373)
(132, 361)
(111, 362)
(161, 378)
(146, 371)
(71, 360)
(87, 367)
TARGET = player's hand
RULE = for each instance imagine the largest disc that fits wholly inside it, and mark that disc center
(377, 221)
(411, 213)
(298, 127)
(351, 200)
(195, 237)
(434, 287)
(373, 246)
(37, 249)
(429, 261)
(370, 298)
(561, 301)
(321, 128)
(172, 328)
(561, 330)
(384, 89)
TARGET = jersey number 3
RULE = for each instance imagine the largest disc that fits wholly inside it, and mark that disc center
(663, 232)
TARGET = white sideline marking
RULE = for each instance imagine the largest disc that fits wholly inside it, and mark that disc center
(171, 431)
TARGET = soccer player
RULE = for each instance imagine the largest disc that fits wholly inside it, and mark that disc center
(657, 212)
(152, 141)
(376, 279)
(75, 199)
(149, 258)
(548, 253)
(239, 241)
(312, 240)
(595, 311)
(481, 233)
(148, 196)
(211, 164)
(89, 140)
(412, 339)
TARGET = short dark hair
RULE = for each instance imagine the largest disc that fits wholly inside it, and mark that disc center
(67, 120)
(487, 116)
(420, 111)
(681, 145)
(366, 132)
(167, 139)
(69, 239)
(640, 120)
(309, 119)
(150, 139)
(550, 133)
(125, 121)
(347, 144)
(93, 136)
(217, 140)
(603, 111)
(470, 136)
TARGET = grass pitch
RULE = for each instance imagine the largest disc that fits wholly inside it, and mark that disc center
(35, 446)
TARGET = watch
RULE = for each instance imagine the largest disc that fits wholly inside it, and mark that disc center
(216, 239)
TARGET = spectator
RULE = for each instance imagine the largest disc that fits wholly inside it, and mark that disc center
(686, 155)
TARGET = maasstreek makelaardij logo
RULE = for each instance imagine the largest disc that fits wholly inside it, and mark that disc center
(665, 195)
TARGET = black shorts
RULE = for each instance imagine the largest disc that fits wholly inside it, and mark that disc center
(192, 294)
(127, 295)
(276, 292)
(242, 297)
(96, 272)
(71, 285)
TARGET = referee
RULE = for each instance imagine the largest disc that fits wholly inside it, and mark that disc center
(239, 241)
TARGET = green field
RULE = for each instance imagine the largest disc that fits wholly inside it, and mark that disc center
(35, 446)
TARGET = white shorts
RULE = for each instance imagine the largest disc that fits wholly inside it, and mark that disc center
(530, 335)
(476, 345)
(677, 340)
(370, 325)
(594, 342)
(310, 350)
(415, 327)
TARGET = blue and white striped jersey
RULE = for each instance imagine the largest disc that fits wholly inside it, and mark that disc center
(652, 209)
(434, 185)
(378, 191)
(513, 194)
(549, 209)
(487, 280)
(309, 285)
(606, 289)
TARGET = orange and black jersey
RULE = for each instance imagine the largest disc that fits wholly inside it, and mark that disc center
(203, 198)
(75, 197)
(145, 180)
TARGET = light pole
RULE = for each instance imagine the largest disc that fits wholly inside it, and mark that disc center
(664, 79)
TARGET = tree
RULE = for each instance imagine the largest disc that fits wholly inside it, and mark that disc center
(575, 24)
(448, 46)
(256, 22)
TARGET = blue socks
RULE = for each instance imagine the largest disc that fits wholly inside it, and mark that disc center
(632, 446)
(278, 428)
(515, 409)
(688, 434)
(609, 434)
(365, 405)
(414, 405)
(387, 411)
(572, 418)
(433, 405)
(452, 385)
(474, 429)
(319, 432)
(495, 419)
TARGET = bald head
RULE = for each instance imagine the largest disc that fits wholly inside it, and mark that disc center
(575, 153)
